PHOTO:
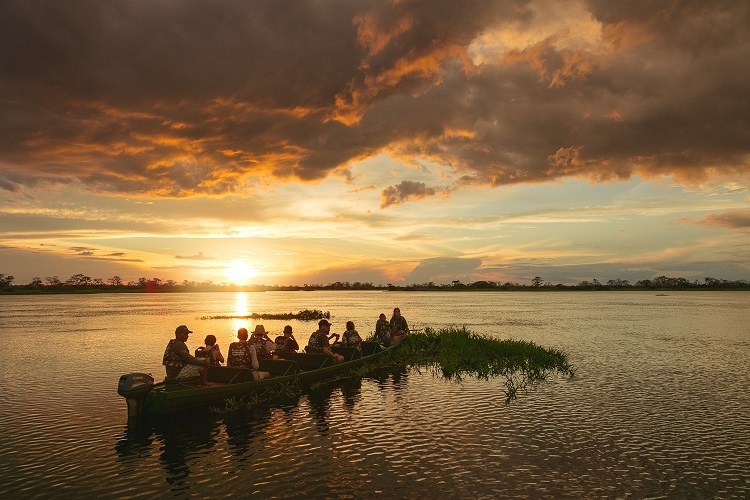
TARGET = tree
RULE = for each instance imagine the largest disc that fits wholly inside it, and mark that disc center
(536, 281)
(115, 281)
(52, 280)
(36, 281)
(6, 280)
(78, 280)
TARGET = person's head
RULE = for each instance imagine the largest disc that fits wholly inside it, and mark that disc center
(350, 325)
(288, 331)
(397, 312)
(210, 340)
(242, 334)
(259, 331)
(324, 325)
(182, 332)
(382, 316)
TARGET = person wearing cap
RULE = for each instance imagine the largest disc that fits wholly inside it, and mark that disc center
(264, 346)
(319, 342)
(287, 342)
(242, 354)
(383, 330)
(179, 363)
(351, 337)
(399, 327)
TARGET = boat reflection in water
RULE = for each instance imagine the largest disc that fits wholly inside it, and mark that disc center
(275, 438)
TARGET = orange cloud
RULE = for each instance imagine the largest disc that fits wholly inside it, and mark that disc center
(733, 219)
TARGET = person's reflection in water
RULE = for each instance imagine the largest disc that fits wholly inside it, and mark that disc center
(244, 429)
(320, 404)
(352, 391)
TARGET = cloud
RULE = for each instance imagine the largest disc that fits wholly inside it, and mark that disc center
(734, 219)
(231, 97)
(408, 191)
(198, 256)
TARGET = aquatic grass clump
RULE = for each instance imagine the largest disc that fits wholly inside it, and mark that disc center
(303, 315)
(454, 353)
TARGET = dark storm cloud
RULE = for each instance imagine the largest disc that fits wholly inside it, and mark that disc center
(180, 98)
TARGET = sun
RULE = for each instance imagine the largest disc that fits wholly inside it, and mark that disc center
(240, 272)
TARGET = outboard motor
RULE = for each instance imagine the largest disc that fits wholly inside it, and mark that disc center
(134, 387)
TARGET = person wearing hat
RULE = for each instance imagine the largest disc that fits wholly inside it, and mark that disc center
(242, 354)
(264, 346)
(287, 342)
(180, 364)
(319, 342)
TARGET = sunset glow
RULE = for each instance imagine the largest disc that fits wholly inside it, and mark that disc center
(240, 273)
(384, 142)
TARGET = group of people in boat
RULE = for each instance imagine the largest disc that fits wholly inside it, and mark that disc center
(251, 347)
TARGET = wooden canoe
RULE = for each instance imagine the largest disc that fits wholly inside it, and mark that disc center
(302, 369)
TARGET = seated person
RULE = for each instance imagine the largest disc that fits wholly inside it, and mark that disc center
(383, 330)
(351, 337)
(287, 342)
(210, 351)
(180, 365)
(242, 355)
(264, 346)
(318, 342)
(399, 327)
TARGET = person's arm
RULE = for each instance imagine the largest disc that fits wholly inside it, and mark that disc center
(254, 358)
(293, 345)
(218, 356)
(184, 354)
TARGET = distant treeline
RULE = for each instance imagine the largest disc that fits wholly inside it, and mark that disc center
(79, 283)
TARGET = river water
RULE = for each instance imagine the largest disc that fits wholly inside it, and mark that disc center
(659, 405)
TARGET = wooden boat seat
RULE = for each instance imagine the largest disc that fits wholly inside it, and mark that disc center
(307, 361)
(370, 348)
(279, 367)
(229, 374)
(349, 353)
(237, 375)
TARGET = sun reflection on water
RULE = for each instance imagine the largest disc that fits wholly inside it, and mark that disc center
(241, 308)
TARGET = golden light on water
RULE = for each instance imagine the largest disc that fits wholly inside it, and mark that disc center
(241, 308)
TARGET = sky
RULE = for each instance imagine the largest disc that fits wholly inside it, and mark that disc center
(307, 142)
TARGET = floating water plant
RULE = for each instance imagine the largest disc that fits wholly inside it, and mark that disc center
(454, 353)
(304, 315)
